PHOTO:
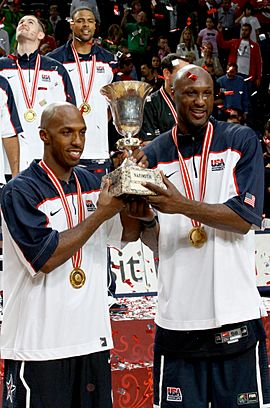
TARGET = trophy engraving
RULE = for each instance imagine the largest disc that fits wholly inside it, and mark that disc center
(126, 100)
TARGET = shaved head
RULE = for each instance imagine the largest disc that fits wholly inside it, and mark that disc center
(194, 97)
(193, 73)
(54, 111)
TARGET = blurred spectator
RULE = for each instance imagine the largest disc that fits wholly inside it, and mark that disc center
(226, 17)
(159, 109)
(115, 39)
(4, 41)
(125, 69)
(133, 11)
(62, 31)
(234, 115)
(233, 89)
(207, 8)
(148, 76)
(208, 35)
(248, 17)
(54, 16)
(191, 57)
(138, 38)
(163, 47)
(156, 65)
(245, 52)
(12, 16)
(48, 40)
(187, 44)
(209, 61)
(266, 155)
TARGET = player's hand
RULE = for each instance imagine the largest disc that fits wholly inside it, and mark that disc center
(140, 158)
(167, 200)
(107, 204)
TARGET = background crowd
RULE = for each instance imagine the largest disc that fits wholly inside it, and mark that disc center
(231, 40)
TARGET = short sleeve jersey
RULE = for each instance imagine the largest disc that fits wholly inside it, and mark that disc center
(10, 123)
(53, 85)
(96, 143)
(207, 287)
(44, 316)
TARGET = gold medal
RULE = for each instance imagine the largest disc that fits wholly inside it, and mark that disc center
(30, 115)
(197, 237)
(85, 108)
(77, 278)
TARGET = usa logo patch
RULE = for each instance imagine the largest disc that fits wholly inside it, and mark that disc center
(247, 398)
(174, 394)
(217, 164)
(90, 205)
(100, 70)
(46, 78)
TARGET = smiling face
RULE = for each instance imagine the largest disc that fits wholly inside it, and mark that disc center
(194, 99)
(29, 29)
(83, 25)
(63, 134)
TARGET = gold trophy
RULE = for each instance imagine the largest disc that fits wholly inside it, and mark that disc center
(126, 100)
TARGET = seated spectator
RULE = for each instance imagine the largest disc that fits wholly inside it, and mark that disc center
(163, 47)
(187, 44)
(156, 65)
(233, 89)
(191, 57)
(248, 17)
(209, 61)
(209, 35)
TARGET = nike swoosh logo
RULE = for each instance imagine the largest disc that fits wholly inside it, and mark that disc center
(10, 76)
(71, 70)
(52, 213)
(169, 175)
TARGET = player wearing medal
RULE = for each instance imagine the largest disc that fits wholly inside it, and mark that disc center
(210, 342)
(56, 335)
(36, 81)
(90, 68)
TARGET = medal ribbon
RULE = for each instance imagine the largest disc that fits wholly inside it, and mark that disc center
(29, 101)
(85, 91)
(169, 103)
(203, 166)
(77, 257)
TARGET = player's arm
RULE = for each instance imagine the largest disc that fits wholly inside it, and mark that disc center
(70, 241)
(11, 146)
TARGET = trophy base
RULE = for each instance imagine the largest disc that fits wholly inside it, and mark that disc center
(127, 180)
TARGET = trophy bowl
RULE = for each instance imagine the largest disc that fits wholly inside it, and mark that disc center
(126, 100)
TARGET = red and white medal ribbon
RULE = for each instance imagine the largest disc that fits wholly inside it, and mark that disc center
(29, 100)
(169, 103)
(203, 166)
(85, 91)
(77, 257)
